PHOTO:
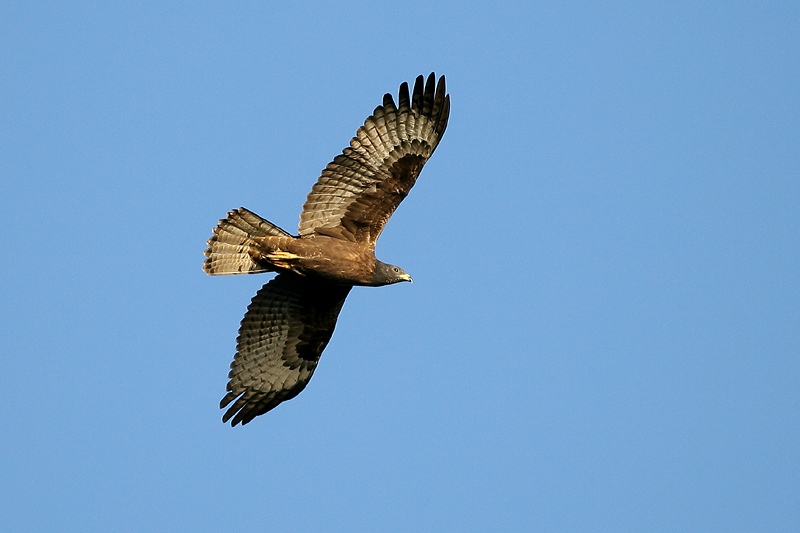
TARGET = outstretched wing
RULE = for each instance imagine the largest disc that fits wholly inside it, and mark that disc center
(360, 189)
(281, 338)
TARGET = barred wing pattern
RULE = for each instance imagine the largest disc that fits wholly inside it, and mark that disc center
(282, 335)
(360, 189)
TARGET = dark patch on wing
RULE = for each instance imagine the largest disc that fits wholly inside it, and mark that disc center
(360, 189)
(287, 325)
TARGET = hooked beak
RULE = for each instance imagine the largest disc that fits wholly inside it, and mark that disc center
(407, 278)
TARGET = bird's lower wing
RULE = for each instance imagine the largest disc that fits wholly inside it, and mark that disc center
(282, 335)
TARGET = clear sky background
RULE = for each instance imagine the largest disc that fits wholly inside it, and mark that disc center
(604, 328)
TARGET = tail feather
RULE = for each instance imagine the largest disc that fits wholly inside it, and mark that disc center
(232, 248)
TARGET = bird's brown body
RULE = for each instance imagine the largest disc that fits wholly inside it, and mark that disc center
(291, 319)
(320, 256)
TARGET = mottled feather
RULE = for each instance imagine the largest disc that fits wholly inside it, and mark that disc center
(282, 335)
(360, 189)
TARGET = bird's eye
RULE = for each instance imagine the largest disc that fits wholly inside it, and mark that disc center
(396, 269)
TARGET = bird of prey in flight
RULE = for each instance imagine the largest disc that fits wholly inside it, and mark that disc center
(291, 318)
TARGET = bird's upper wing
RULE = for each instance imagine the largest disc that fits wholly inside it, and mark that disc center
(281, 338)
(360, 189)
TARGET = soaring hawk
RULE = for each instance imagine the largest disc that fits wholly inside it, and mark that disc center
(291, 319)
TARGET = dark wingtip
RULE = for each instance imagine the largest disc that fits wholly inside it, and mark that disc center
(430, 99)
(404, 99)
(419, 91)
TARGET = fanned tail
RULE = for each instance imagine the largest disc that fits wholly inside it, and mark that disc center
(233, 248)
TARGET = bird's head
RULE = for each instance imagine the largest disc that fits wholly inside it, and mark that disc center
(386, 274)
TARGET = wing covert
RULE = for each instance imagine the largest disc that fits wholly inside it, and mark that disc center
(359, 190)
(287, 325)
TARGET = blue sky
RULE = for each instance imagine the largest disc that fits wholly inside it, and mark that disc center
(604, 328)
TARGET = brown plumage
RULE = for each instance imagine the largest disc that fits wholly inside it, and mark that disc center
(291, 319)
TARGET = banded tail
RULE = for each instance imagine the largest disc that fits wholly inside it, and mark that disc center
(233, 248)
